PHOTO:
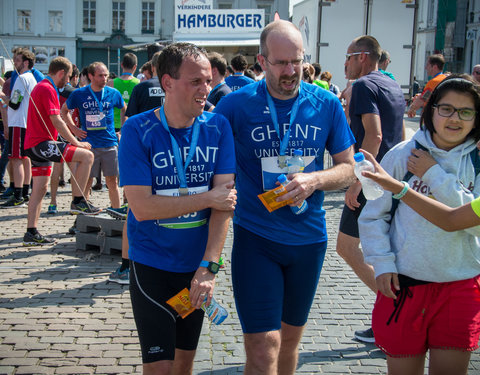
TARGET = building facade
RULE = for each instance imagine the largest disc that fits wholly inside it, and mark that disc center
(99, 30)
(449, 27)
(426, 27)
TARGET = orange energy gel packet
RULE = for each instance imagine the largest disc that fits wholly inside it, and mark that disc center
(181, 303)
(269, 198)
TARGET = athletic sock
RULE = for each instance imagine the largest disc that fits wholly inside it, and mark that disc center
(17, 192)
(25, 190)
(125, 264)
(77, 200)
(32, 231)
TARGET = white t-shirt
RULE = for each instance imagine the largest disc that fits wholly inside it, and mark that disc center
(23, 86)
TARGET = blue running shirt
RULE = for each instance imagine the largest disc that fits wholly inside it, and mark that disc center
(146, 159)
(320, 125)
(237, 81)
(99, 125)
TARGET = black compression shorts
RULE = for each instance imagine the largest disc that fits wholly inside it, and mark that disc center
(160, 329)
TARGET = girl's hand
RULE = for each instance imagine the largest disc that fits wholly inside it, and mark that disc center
(385, 282)
(420, 162)
(380, 176)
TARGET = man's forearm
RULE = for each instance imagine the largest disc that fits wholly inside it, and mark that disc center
(217, 233)
(66, 117)
(337, 177)
(148, 206)
(63, 130)
(372, 143)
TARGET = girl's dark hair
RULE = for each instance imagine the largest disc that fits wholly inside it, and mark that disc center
(462, 84)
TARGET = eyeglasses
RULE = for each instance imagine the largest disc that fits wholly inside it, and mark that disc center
(283, 63)
(476, 72)
(348, 55)
(447, 110)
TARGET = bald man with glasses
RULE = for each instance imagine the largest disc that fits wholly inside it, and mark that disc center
(277, 257)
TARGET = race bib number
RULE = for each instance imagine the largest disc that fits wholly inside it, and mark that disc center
(271, 170)
(96, 122)
(187, 221)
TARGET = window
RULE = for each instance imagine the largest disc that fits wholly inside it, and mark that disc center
(45, 54)
(268, 12)
(225, 6)
(24, 20)
(55, 21)
(431, 13)
(118, 16)
(148, 14)
(89, 15)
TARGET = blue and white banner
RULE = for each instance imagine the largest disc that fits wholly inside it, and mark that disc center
(219, 21)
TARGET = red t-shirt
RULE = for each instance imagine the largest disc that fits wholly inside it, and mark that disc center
(43, 103)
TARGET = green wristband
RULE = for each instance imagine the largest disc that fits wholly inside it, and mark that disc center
(402, 193)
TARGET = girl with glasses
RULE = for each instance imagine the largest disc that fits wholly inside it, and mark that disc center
(428, 279)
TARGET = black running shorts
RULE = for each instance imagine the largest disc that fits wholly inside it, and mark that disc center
(160, 329)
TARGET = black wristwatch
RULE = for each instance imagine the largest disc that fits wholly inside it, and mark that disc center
(211, 266)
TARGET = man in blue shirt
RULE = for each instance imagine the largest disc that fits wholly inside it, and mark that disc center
(177, 167)
(219, 87)
(238, 79)
(95, 104)
(277, 257)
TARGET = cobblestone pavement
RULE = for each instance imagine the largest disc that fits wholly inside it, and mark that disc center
(59, 315)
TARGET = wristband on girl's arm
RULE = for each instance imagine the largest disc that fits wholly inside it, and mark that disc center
(402, 192)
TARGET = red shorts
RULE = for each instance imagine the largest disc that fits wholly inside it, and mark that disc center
(16, 139)
(433, 316)
(46, 153)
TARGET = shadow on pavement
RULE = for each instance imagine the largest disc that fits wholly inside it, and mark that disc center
(60, 282)
(354, 353)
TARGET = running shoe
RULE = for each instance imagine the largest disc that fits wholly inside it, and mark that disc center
(365, 336)
(7, 193)
(84, 208)
(61, 183)
(36, 240)
(118, 213)
(120, 277)
(52, 209)
(13, 202)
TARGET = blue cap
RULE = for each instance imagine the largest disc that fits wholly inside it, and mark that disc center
(282, 178)
(359, 157)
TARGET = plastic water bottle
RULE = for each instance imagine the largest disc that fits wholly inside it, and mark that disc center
(302, 207)
(215, 312)
(371, 190)
(296, 164)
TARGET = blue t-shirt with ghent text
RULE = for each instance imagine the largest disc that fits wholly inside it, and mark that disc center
(98, 124)
(319, 125)
(146, 159)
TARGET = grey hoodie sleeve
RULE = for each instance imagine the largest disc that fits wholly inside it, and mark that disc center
(373, 224)
(446, 188)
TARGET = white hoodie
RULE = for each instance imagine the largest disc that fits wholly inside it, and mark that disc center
(411, 245)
